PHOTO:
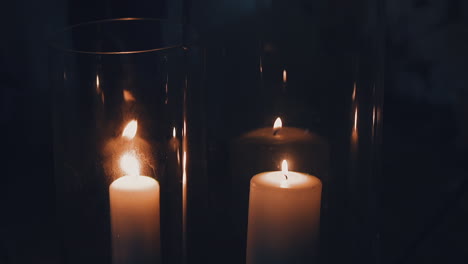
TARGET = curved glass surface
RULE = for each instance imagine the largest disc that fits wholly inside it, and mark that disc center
(120, 130)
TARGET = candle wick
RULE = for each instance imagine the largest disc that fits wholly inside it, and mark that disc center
(286, 176)
(275, 132)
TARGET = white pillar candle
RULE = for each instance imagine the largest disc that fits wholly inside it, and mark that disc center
(284, 218)
(134, 208)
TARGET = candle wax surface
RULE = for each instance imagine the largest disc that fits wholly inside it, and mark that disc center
(277, 179)
(135, 183)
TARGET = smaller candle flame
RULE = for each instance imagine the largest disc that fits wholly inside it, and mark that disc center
(173, 132)
(129, 164)
(277, 126)
(285, 76)
(130, 130)
(278, 123)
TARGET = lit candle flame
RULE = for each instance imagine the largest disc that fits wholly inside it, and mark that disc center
(284, 169)
(130, 130)
(285, 76)
(129, 164)
(277, 125)
(173, 132)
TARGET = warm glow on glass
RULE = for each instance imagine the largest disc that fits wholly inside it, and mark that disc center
(130, 130)
(184, 168)
(129, 164)
(278, 123)
(98, 89)
(261, 65)
(355, 118)
(166, 84)
(373, 115)
(128, 96)
(184, 196)
(354, 92)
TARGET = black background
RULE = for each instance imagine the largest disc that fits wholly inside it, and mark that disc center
(424, 201)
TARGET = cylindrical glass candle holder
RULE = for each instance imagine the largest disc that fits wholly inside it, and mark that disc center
(317, 67)
(120, 141)
(253, 157)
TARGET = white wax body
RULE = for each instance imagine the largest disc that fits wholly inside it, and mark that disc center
(284, 218)
(134, 208)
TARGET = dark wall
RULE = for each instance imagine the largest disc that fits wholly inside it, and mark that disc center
(27, 218)
(425, 133)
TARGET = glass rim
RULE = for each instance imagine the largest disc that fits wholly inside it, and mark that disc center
(56, 45)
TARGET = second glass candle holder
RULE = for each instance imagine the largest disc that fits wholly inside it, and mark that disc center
(120, 141)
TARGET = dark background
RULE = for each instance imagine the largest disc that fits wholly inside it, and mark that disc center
(423, 189)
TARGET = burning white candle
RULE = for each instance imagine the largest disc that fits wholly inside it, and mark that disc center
(134, 208)
(284, 217)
